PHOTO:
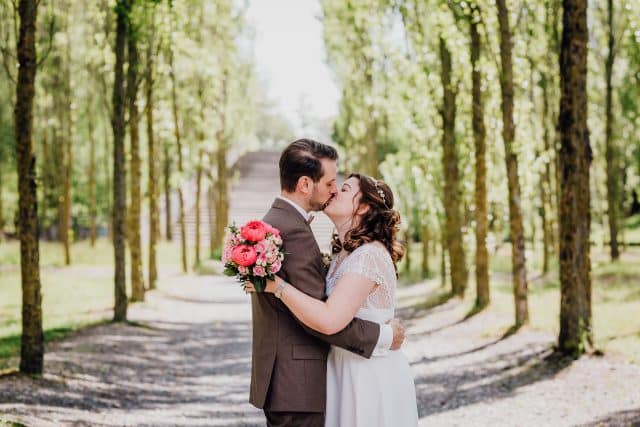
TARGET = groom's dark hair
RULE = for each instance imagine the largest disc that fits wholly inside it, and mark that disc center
(302, 158)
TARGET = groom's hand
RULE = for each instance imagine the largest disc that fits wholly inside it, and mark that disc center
(398, 334)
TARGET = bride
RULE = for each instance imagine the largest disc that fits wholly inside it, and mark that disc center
(361, 282)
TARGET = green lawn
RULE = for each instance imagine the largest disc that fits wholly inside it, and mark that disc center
(616, 292)
(72, 297)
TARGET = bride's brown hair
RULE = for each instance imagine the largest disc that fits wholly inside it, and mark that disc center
(379, 223)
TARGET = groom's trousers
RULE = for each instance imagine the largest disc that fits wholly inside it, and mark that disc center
(294, 419)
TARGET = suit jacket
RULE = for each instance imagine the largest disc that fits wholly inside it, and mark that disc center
(289, 361)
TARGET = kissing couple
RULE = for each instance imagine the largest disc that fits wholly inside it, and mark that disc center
(326, 347)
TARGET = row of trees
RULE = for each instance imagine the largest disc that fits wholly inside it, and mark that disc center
(431, 86)
(183, 69)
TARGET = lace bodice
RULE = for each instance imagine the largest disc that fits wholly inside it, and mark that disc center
(373, 261)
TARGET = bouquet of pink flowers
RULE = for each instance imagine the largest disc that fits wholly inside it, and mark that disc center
(253, 253)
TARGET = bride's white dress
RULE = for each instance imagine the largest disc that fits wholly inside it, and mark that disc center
(379, 391)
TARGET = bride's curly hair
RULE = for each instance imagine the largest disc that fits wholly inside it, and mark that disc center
(379, 223)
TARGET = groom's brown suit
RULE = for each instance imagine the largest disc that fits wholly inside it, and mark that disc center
(289, 363)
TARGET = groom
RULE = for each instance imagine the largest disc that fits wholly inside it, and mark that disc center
(289, 362)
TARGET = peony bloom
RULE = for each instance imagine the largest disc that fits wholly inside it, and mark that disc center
(254, 231)
(244, 255)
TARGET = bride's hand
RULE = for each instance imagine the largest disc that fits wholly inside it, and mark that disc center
(271, 287)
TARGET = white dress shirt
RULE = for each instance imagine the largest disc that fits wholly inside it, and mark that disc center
(385, 339)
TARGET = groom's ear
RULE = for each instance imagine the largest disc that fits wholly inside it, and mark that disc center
(305, 185)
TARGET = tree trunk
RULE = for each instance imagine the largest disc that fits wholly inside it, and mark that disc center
(425, 238)
(222, 209)
(610, 149)
(212, 204)
(31, 343)
(1, 203)
(154, 226)
(575, 159)
(135, 244)
(516, 227)
(443, 257)
(68, 163)
(479, 137)
(92, 181)
(176, 126)
(198, 197)
(167, 192)
(455, 244)
(119, 169)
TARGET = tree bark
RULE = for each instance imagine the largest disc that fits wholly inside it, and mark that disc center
(425, 238)
(167, 191)
(575, 159)
(610, 149)
(455, 244)
(119, 170)
(154, 225)
(479, 137)
(68, 162)
(222, 209)
(176, 126)
(198, 197)
(92, 181)
(31, 343)
(516, 228)
(133, 232)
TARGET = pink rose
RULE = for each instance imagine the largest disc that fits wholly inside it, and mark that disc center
(226, 254)
(244, 255)
(261, 246)
(253, 231)
(274, 231)
(275, 267)
(272, 256)
(259, 271)
(243, 270)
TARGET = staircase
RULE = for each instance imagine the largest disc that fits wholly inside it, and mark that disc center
(251, 195)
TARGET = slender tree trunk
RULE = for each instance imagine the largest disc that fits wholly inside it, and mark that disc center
(1, 203)
(31, 343)
(212, 203)
(135, 244)
(545, 181)
(68, 163)
(119, 171)
(167, 191)
(443, 257)
(610, 149)
(425, 238)
(479, 137)
(176, 125)
(455, 244)
(92, 181)
(154, 226)
(198, 197)
(222, 210)
(516, 227)
(575, 158)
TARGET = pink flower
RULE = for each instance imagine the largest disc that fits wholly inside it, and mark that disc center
(271, 256)
(243, 270)
(275, 267)
(261, 246)
(259, 271)
(226, 254)
(274, 231)
(244, 255)
(254, 231)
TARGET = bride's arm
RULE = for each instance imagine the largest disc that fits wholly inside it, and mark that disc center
(330, 316)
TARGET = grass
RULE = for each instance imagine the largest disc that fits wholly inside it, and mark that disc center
(72, 297)
(615, 297)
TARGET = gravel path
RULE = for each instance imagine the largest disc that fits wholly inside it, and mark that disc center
(187, 363)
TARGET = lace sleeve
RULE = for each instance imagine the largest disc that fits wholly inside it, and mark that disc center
(375, 264)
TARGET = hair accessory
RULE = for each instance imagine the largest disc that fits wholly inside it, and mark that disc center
(380, 192)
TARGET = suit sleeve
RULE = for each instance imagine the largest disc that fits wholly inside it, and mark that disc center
(359, 336)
